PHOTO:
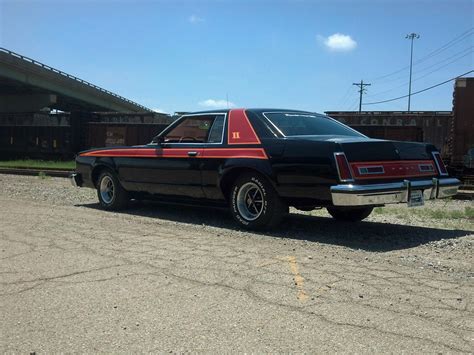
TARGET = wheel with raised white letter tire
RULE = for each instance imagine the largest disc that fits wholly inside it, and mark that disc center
(254, 202)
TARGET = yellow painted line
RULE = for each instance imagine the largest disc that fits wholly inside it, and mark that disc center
(299, 280)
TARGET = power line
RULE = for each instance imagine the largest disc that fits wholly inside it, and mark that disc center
(419, 91)
(343, 99)
(441, 49)
(398, 78)
(451, 43)
(464, 53)
(443, 66)
(437, 51)
(353, 104)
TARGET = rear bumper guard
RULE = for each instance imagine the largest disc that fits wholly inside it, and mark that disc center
(395, 192)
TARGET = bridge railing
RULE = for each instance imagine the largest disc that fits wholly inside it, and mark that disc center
(45, 66)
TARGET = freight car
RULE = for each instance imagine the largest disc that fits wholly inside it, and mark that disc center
(43, 135)
(452, 132)
(460, 153)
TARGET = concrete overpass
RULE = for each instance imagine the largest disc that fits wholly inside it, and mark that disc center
(27, 85)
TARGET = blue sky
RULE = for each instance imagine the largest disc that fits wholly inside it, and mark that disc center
(188, 55)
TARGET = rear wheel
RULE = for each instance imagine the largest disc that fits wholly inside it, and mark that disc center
(350, 214)
(112, 196)
(254, 202)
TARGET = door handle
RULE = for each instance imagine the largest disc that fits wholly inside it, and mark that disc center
(192, 154)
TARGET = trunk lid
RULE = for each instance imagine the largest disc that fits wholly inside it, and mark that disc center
(366, 149)
(376, 159)
(380, 159)
(382, 150)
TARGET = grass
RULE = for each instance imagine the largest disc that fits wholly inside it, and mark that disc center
(43, 176)
(38, 164)
(427, 212)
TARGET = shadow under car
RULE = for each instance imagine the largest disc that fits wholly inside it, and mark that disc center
(369, 236)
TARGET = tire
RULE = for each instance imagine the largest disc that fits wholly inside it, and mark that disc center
(112, 196)
(350, 214)
(254, 202)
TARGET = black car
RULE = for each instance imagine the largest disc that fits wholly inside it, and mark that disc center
(261, 161)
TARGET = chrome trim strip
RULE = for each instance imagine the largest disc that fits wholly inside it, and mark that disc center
(271, 122)
(348, 165)
(395, 192)
(170, 127)
(311, 113)
(437, 164)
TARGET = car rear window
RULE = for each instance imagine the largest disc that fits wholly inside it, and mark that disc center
(308, 124)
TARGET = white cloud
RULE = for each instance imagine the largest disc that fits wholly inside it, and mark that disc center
(338, 42)
(195, 19)
(158, 110)
(211, 103)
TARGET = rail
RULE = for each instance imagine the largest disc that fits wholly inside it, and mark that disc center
(60, 72)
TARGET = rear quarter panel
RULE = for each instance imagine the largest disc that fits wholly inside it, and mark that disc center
(305, 170)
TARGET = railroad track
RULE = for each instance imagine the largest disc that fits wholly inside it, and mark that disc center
(466, 190)
(468, 181)
(36, 172)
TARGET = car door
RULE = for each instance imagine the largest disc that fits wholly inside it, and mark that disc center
(213, 157)
(174, 168)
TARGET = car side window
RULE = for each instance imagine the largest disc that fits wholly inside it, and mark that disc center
(217, 130)
(193, 129)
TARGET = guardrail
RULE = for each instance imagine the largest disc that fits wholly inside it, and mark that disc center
(57, 71)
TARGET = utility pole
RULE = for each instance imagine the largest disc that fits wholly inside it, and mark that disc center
(362, 90)
(411, 37)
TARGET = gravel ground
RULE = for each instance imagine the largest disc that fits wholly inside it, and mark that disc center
(160, 277)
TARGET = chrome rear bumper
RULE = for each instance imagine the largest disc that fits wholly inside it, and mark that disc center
(395, 192)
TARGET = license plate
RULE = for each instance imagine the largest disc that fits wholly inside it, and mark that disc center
(416, 198)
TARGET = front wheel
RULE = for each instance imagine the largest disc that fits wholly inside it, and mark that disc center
(350, 214)
(112, 196)
(254, 202)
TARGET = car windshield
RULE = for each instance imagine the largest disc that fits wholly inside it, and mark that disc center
(308, 124)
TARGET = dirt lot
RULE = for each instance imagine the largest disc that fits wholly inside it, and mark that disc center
(170, 278)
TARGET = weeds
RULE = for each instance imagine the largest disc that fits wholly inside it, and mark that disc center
(427, 212)
(38, 164)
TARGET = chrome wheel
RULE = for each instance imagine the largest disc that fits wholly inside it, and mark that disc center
(250, 201)
(107, 189)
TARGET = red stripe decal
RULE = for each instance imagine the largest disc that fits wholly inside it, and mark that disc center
(206, 153)
(393, 169)
(253, 153)
(141, 153)
(239, 129)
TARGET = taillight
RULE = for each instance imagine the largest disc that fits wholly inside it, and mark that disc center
(439, 164)
(343, 167)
